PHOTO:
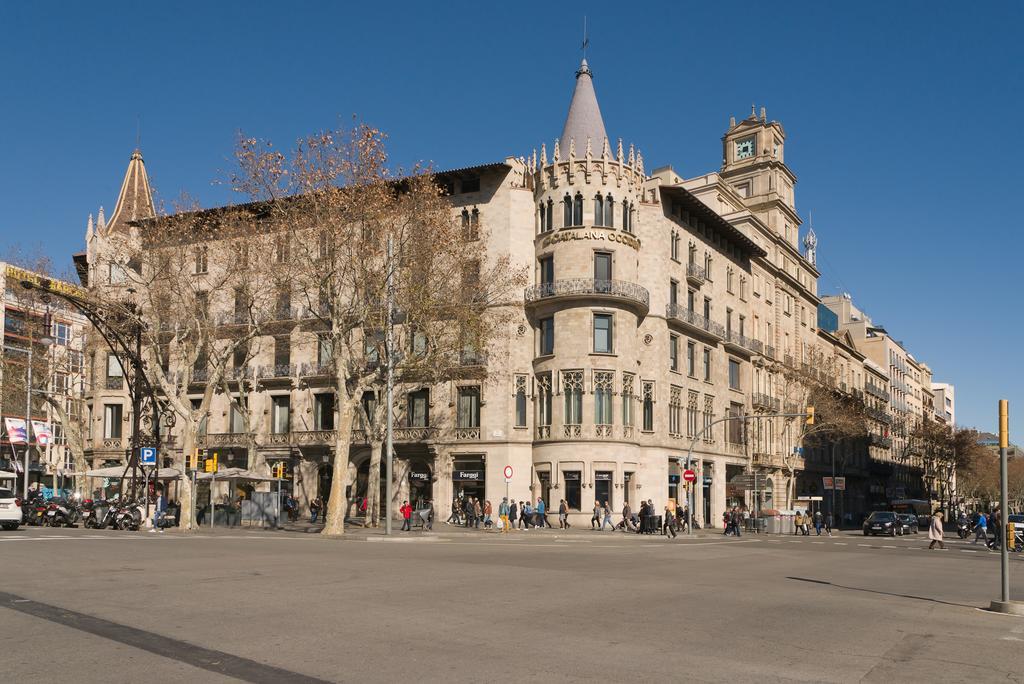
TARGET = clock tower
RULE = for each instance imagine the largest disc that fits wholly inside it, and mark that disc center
(754, 166)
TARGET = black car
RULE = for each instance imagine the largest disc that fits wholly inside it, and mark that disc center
(883, 522)
(909, 523)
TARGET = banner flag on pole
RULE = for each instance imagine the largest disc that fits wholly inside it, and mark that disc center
(16, 432)
(42, 433)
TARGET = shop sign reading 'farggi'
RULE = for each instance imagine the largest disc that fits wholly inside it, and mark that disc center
(592, 234)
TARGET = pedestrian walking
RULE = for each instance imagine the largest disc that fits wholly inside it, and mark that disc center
(818, 523)
(487, 515)
(526, 515)
(503, 509)
(668, 526)
(563, 515)
(595, 519)
(607, 512)
(995, 521)
(454, 517)
(406, 511)
(828, 523)
(513, 512)
(539, 514)
(736, 518)
(627, 517)
(981, 529)
(478, 513)
(315, 506)
(935, 531)
(427, 515)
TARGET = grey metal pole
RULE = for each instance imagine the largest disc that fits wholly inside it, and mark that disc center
(28, 420)
(213, 505)
(1004, 552)
(832, 509)
(388, 343)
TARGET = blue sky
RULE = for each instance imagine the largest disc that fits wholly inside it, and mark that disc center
(897, 115)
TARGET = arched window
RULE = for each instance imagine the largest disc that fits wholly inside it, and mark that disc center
(541, 217)
(577, 210)
(632, 215)
(551, 215)
(567, 211)
(609, 212)
(598, 210)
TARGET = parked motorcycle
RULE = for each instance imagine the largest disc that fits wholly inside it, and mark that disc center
(33, 510)
(63, 513)
(128, 516)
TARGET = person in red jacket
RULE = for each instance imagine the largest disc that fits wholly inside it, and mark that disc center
(406, 511)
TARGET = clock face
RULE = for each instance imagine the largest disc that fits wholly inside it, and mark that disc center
(744, 148)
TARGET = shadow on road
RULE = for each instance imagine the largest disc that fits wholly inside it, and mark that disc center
(881, 593)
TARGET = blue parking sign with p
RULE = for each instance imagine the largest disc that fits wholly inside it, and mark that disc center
(147, 455)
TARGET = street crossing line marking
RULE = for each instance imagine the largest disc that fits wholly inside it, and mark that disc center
(840, 543)
(817, 542)
(889, 547)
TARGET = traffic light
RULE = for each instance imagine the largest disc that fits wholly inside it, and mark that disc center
(193, 459)
(810, 415)
(279, 470)
(211, 463)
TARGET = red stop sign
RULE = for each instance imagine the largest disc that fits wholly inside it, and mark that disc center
(689, 476)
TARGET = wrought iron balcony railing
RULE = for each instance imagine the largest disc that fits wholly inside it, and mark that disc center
(588, 286)
(743, 341)
(694, 320)
(695, 274)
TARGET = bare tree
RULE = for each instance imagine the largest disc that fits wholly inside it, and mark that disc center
(838, 414)
(349, 228)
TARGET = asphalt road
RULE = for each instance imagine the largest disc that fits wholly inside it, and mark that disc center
(583, 606)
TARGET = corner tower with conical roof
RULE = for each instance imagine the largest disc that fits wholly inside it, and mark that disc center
(583, 122)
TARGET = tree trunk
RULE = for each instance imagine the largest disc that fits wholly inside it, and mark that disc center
(185, 493)
(338, 503)
(373, 486)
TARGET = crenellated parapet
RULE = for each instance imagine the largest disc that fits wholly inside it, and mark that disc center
(594, 167)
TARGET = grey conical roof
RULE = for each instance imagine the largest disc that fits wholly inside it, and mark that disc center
(584, 119)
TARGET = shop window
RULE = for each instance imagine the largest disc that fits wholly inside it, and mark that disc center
(603, 486)
(573, 489)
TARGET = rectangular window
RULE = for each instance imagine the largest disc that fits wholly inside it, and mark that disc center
(112, 415)
(691, 413)
(648, 406)
(734, 374)
(734, 428)
(675, 246)
(573, 489)
(114, 369)
(61, 334)
(708, 417)
(419, 408)
(547, 336)
(547, 270)
(691, 359)
(324, 351)
(237, 420)
(707, 365)
(279, 414)
(675, 411)
(520, 399)
(602, 333)
(604, 385)
(627, 398)
(602, 267)
(282, 352)
(201, 259)
(323, 411)
(468, 407)
(673, 293)
(673, 352)
(572, 391)
(195, 404)
(603, 486)
(544, 398)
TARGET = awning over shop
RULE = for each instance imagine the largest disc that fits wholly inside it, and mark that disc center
(236, 474)
(119, 472)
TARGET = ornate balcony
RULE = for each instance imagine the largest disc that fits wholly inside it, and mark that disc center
(694, 323)
(769, 351)
(572, 431)
(765, 402)
(695, 274)
(603, 431)
(543, 432)
(318, 370)
(313, 437)
(115, 383)
(470, 434)
(616, 290)
(742, 343)
(224, 439)
(767, 460)
(880, 441)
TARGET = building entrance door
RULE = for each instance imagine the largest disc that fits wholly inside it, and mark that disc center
(603, 487)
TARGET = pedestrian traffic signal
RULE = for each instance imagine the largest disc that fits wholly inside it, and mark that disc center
(810, 415)
(279, 470)
(193, 460)
(211, 463)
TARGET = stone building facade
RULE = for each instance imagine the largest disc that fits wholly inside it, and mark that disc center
(659, 305)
